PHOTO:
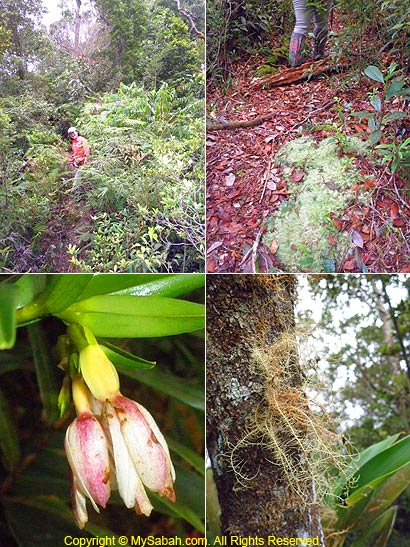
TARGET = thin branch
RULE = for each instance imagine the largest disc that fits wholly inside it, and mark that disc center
(193, 27)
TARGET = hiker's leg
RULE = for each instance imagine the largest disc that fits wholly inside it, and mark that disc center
(320, 17)
(303, 16)
(77, 188)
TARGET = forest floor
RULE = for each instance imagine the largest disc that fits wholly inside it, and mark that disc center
(245, 187)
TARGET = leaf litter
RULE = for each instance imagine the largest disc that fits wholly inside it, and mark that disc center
(379, 228)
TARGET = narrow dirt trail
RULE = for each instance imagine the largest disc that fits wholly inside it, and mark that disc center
(244, 187)
(69, 223)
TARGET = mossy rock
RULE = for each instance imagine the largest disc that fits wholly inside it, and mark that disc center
(322, 186)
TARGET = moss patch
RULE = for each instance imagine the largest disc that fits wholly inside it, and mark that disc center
(320, 178)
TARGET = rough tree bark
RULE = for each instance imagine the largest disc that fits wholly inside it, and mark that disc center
(244, 310)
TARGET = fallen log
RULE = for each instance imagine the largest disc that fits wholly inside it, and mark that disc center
(295, 74)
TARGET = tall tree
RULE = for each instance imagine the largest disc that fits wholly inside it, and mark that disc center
(127, 19)
(20, 20)
(249, 316)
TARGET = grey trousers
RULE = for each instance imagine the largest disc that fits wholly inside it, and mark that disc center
(306, 10)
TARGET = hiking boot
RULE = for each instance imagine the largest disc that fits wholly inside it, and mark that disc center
(319, 46)
(296, 45)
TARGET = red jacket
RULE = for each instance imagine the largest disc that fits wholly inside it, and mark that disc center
(80, 151)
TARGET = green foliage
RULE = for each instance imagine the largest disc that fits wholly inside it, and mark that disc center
(128, 20)
(380, 475)
(170, 55)
(21, 42)
(378, 378)
(40, 491)
(145, 183)
(146, 179)
(363, 332)
(387, 125)
(234, 27)
(382, 25)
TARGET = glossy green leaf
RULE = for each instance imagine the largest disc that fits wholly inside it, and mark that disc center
(64, 290)
(375, 136)
(108, 283)
(384, 495)
(376, 103)
(375, 483)
(376, 448)
(377, 535)
(30, 285)
(59, 292)
(123, 358)
(363, 114)
(393, 116)
(125, 316)
(169, 384)
(168, 285)
(349, 515)
(188, 455)
(374, 73)
(9, 444)
(8, 304)
(46, 372)
(385, 462)
(357, 461)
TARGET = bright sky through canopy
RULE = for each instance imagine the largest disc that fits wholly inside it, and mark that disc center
(53, 12)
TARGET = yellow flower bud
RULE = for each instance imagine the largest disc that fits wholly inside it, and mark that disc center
(80, 396)
(98, 372)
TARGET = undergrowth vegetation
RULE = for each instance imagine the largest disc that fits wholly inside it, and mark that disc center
(145, 180)
(129, 77)
(143, 187)
(237, 28)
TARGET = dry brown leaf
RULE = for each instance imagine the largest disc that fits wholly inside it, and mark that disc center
(230, 179)
(357, 239)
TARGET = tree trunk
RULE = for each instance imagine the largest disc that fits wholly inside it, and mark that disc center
(247, 313)
(77, 30)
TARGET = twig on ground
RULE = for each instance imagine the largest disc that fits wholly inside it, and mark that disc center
(253, 251)
(265, 179)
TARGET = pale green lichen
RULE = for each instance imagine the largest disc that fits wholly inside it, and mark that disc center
(303, 224)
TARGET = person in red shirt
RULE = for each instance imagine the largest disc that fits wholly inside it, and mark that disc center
(80, 151)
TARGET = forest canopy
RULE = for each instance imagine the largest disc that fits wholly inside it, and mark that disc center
(129, 74)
